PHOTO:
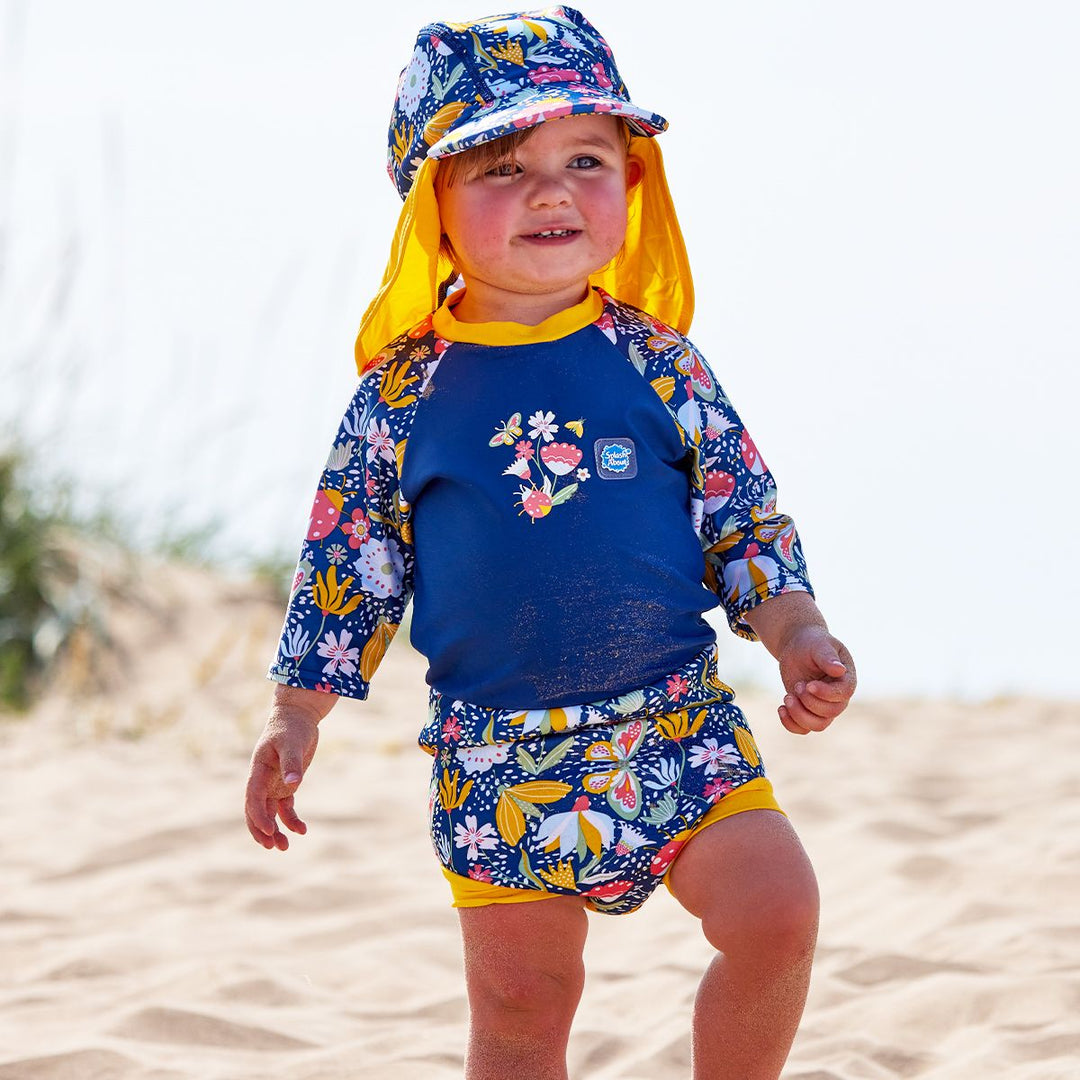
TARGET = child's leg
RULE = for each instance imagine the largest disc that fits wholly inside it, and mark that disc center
(749, 881)
(524, 974)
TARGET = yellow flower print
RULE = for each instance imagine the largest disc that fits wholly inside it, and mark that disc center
(449, 796)
(509, 817)
(560, 875)
(393, 384)
(329, 596)
(402, 142)
(443, 121)
(376, 647)
(664, 387)
(678, 725)
(511, 51)
(747, 747)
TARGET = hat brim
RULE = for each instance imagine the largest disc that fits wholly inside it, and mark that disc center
(533, 107)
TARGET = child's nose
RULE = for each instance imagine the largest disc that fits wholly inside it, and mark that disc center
(549, 191)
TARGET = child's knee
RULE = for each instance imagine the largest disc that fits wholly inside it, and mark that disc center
(776, 923)
(541, 996)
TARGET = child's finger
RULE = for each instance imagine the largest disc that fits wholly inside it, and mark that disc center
(786, 720)
(803, 717)
(289, 816)
(260, 838)
(836, 692)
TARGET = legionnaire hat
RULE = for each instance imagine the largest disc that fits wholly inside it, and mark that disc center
(469, 83)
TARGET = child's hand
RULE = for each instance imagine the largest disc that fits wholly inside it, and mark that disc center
(281, 758)
(819, 677)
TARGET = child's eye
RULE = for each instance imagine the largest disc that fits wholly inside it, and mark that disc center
(586, 161)
(504, 168)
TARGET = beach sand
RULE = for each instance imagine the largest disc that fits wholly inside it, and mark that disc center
(143, 933)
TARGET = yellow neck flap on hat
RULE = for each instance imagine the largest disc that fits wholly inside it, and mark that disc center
(652, 272)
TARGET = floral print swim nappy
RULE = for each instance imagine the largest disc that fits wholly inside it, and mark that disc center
(599, 812)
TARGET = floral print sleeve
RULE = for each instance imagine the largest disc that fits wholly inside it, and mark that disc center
(752, 551)
(355, 572)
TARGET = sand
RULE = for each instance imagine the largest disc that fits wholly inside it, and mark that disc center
(143, 934)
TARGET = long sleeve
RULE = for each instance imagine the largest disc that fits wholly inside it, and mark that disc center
(355, 572)
(752, 551)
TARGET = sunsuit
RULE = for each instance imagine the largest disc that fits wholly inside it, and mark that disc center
(564, 503)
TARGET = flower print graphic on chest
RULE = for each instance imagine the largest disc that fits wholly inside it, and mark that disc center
(547, 466)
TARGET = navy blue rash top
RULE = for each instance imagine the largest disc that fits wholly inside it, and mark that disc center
(597, 596)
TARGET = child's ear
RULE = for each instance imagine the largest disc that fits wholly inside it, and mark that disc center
(635, 171)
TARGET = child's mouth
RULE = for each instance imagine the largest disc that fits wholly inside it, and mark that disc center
(553, 234)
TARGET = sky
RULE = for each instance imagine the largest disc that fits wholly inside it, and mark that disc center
(880, 207)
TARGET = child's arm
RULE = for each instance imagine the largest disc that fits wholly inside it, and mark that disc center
(816, 668)
(281, 757)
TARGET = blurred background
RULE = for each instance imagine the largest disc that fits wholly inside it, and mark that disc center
(881, 207)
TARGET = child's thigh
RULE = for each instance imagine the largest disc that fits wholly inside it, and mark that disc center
(745, 871)
(522, 951)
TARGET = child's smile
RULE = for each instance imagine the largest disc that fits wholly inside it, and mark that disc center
(527, 233)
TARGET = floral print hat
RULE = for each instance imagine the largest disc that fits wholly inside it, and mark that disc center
(470, 83)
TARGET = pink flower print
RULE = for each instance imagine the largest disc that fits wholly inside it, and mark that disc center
(371, 485)
(715, 790)
(716, 423)
(524, 449)
(542, 424)
(380, 441)
(583, 475)
(545, 74)
(629, 840)
(719, 487)
(324, 688)
(751, 457)
(338, 654)
(535, 503)
(519, 467)
(537, 116)
(601, 75)
(713, 756)
(473, 838)
(440, 46)
(560, 458)
(441, 345)
(676, 687)
(480, 873)
(358, 529)
(606, 325)
(451, 728)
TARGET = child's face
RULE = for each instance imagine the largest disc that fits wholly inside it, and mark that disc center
(526, 234)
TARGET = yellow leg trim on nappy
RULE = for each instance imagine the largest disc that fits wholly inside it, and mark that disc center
(753, 795)
(470, 893)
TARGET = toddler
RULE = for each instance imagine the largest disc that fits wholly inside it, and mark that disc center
(542, 461)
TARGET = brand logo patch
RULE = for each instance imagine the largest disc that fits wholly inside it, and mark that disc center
(616, 459)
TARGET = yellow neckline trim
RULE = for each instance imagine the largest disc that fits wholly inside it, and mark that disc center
(561, 324)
